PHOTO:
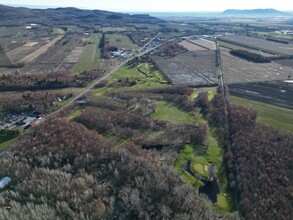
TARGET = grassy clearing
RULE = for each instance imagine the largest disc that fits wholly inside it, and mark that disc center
(222, 202)
(268, 114)
(210, 91)
(76, 112)
(151, 79)
(98, 92)
(8, 140)
(201, 157)
(168, 112)
(90, 57)
(121, 41)
(6, 144)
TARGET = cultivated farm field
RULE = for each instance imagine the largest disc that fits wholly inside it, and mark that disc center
(260, 44)
(207, 44)
(54, 57)
(196, 68)
(261, 82)
(190, 46)
(19, 53)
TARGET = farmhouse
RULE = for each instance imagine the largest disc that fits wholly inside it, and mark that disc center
(4, 182)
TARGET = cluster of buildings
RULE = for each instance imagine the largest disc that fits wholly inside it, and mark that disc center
(121, 54)
(285, 32)
(21, 121)
(31, 26)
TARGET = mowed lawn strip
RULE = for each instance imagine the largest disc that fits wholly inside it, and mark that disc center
(168, 112)
(8, 140)
(268, 114)
(6, 144)
(90, 51)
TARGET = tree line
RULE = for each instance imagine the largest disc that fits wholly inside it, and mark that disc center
(258, 160)
(38, 81)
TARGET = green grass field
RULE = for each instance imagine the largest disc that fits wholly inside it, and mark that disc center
(76, 112)
(268, 114)
(168, 112)
(201, 157)
(153, 78)
(90, 57)
(210, 91)
(7, 140)
(6, 144)
(121, 41)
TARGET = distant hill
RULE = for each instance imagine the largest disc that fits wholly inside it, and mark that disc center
(67, 16)
(255, 12)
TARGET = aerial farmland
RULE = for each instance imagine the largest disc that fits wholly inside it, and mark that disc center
(197, 67)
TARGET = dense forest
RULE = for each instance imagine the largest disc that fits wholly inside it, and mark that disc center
(11, 102)
(258, 159)
(63, 170)
(56, 80)
(114, 161)
(260, 167)
(105, 164)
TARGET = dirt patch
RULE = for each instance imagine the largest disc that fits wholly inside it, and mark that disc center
(30, 44)
(38, 52)
(74, 55)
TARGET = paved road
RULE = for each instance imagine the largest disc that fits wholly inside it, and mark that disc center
(93, 84)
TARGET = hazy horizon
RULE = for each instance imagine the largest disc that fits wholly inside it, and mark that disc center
(153, 6)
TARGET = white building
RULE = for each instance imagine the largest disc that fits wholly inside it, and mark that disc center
(4, 182)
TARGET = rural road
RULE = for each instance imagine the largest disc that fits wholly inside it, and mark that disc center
(92, 85)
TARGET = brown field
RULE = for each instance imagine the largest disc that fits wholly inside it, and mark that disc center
(54, 57)
(209, 45)
(260, 44)
(196, 68)
(238, 70)
(74, 55)
(19, 53)
(263, 82)
(190, 46)
(29, 58)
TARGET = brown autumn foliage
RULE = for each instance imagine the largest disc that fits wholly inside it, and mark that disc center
(11, 102)
(56, 80)
(260, 167)
(62, 170)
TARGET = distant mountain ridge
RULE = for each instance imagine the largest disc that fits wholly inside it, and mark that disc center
(67, 16)
(265, 12)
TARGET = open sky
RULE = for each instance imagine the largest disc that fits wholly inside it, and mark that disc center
(159, 5)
